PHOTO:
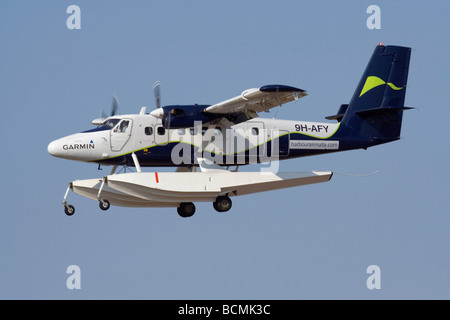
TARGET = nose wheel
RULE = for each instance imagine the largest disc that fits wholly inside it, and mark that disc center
(104, 204)
(69, 209)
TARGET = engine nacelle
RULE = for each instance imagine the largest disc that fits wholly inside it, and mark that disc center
(185, 116)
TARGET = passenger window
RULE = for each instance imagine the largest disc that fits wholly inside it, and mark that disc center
(148, 131)
(161, 131)
(255, 131)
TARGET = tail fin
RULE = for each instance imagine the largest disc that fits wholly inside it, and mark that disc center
(375, 111)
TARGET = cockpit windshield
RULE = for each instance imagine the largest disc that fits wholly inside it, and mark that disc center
(108, 125)
(111, 123)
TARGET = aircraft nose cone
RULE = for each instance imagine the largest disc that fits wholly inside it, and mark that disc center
(53, 148)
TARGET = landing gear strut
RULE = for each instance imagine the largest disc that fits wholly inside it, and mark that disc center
(68, 209)
(103, 204)
(186, 209)
(222, 204)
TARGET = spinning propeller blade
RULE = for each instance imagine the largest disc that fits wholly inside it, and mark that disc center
(115, 105)
(103, 116)
(157, 92)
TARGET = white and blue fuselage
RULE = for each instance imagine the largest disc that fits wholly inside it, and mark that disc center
(253, 141)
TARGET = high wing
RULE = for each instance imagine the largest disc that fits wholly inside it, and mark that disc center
(255, 100)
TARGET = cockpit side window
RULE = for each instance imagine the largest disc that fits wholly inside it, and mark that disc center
(122, 127)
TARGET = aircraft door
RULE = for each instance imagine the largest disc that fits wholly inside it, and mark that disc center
(279, 143)
(120, 134)
(283, 143)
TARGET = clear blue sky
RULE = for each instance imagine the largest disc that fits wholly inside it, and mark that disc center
(312, 242)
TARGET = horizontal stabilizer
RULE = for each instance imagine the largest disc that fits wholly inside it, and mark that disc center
(381, 110)
(340, 113)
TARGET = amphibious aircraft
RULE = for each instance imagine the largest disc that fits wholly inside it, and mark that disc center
(228, 134)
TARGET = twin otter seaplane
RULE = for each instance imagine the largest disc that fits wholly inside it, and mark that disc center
(228, 134)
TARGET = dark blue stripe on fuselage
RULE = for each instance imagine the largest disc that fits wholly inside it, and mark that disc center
(160, 155)
(101, 128)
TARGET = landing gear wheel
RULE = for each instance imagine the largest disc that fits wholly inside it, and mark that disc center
(69, 210)
(104, 205)
(222, 204)
(186, 209)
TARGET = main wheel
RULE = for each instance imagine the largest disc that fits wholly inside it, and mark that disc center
(222, 204)
(104, 205)
(186, 209)
(69, 210)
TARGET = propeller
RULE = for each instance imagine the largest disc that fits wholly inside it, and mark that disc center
(158, 112)
(157, 92)
(115, 105)
(103, 116)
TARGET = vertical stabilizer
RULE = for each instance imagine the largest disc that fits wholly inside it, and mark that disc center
(376, 108)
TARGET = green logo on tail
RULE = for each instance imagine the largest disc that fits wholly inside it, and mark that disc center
(372, 82)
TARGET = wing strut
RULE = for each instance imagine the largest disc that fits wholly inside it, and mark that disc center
(136, 162)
